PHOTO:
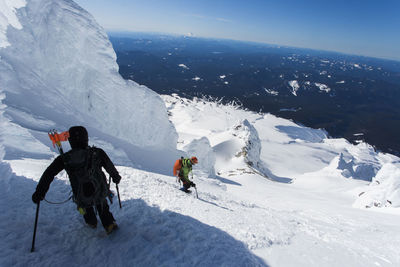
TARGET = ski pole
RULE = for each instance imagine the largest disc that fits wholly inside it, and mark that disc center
(195, 188)
(34, 230)
(119, 199)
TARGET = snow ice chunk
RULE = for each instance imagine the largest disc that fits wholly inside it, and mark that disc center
(253, 144)
(202, 149)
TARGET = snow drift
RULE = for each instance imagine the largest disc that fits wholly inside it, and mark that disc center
(59, 69)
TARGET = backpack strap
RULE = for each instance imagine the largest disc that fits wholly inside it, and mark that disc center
(186, 163)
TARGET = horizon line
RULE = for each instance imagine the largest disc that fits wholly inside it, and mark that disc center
(250, 41)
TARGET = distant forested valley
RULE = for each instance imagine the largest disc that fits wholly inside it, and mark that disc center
(354, 97)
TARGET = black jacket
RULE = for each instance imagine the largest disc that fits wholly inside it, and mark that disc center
(58, 165)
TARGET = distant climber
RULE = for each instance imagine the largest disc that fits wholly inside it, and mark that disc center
(182, 168)
(89, 184)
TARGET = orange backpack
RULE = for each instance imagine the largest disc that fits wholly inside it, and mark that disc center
(177, 166)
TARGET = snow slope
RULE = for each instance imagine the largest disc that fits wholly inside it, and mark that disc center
(241, 218)
(270, 192)
(313, 189)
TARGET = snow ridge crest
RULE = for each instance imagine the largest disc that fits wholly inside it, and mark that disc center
(62, 61)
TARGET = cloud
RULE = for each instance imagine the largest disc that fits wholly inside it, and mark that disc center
(224, 20)
(198, 16)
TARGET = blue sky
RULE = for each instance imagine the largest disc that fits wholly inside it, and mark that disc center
(361, 27)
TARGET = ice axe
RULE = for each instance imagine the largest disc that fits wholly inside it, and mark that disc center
(35, 227)
(197, 195)
(119, 199)
(57, 138)
(195, 188)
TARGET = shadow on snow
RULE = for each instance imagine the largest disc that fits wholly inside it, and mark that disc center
(226, 181)
(147, 236)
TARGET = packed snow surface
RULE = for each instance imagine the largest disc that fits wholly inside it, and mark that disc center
(270, 192)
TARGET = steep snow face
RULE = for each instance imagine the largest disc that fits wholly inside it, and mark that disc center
(59, 70)
(358, 169)
(252, 146)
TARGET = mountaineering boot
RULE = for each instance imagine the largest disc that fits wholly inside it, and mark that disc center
(92, 225)
(113, 226)
(185, 190)
(90, 217)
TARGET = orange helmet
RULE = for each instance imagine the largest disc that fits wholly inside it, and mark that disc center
(194, 160)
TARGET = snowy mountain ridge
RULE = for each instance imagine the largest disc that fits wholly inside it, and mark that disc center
(270, 192)
(264, 144)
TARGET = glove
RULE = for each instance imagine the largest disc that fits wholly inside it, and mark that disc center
(36, 197)
(116, 179)
(192, 184)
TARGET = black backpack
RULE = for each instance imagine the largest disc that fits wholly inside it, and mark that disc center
(88, 182)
